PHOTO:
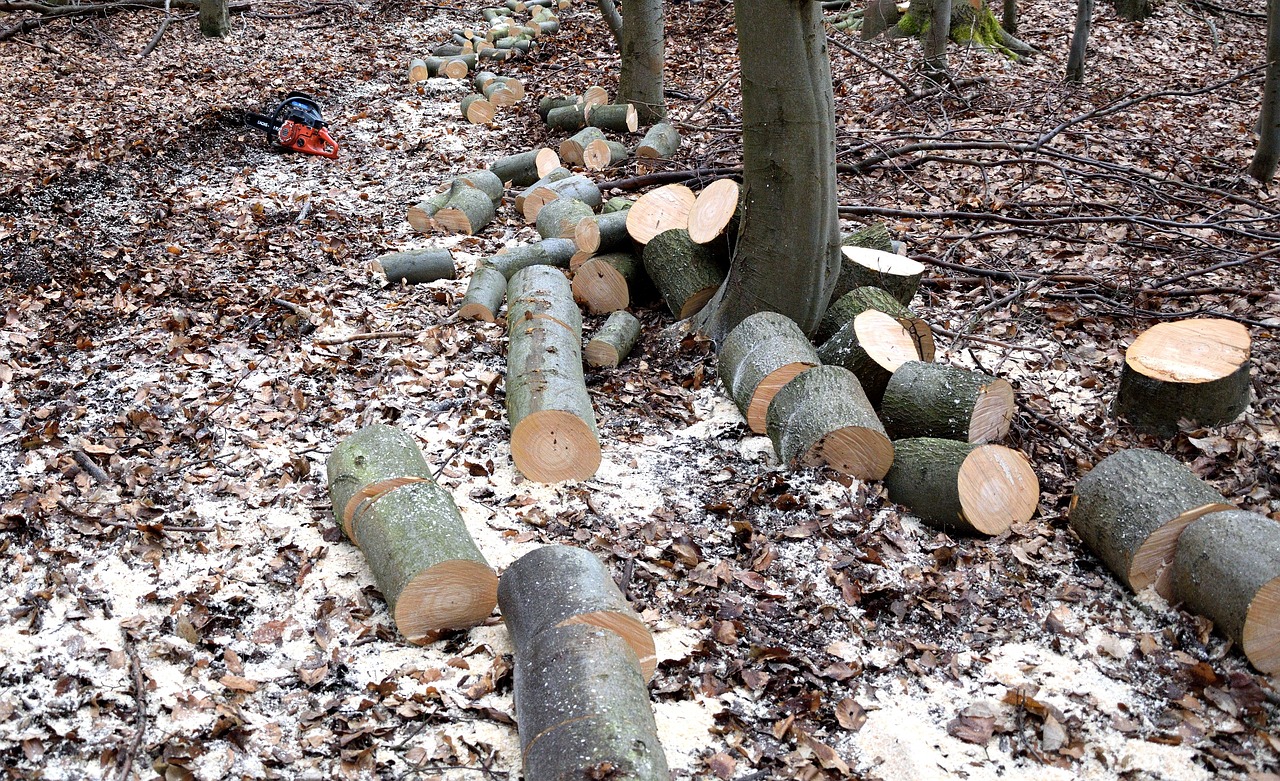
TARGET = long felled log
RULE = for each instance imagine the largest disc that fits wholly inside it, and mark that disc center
(872, 345)
(553, 427)
(582, 705)
(897, 274)
(525, 168)
(558, 585)
(571, 148)
(577, 187)
(960, 486)
(822, 417)
(715, 212)
(933, 400)
(613, 342)
(485, 292)
(423, 559)
(1190, 370)
(467, 210)
(686, 274)
(660, 209)
(559, 219)
(660, 142)
(606, 283)
(554, 175)
(417, 266)
(620, 118)
(853, 303)
(1227, 569)
(606, 232)
(762, 354)
(1130, 509)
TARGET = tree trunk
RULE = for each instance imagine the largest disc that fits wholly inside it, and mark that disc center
(1009, 18)
(1079, 41)
(1268, 153)
(934, 34)
(1133, 10)
(788, 248)
(641, 38)
(214, 22)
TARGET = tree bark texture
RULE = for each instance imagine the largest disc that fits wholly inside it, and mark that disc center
(934, 400)
(757, 358)
(1265, 158)
(214, 21)
(686, 274)
(485, 292)
(822, 417)
(1133, 10)
(523, 169)
(642, 43)
(417, 266)
(554, 175)
(548, 252)
(559, 219)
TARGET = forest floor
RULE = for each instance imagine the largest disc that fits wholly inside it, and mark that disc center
(176, 599)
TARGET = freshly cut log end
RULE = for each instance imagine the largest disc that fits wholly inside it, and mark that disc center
(873, 346)
(421, 215)
(1191, 370)
(659, 210)
(613, 342)
(602, 153)
(714, 210)
(558, 585)
(686, 274)
(418, 71)
(1227, 569)
(577, 187)
(569, 119)
(467, 211)
(582, 707)
(601, 233)
(485, 292)
(852, 303)
(933, 400)
(596, 96)
(761, 355)
(571, 148)
(477, 110)
(959, 486)
(822, 417)
(1130, 509)
(660, 142)
(554, 175)
(604, 282)
(522, 170)
(454, 69)
(552, 446)
(898, 275)
(451, 595)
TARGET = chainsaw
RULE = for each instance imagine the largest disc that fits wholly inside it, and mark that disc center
(296, 124)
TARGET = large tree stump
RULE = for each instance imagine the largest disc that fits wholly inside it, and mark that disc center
(661, 209)
(553, 427)
(960, 486)
(933, 400)
(1227, 569)
(559, 219)
(583, 709)
(715, 211)
(897, 274)
(822, 417)
(761, 355)
(417, 266)
(554, 175)
(423, 560)
(558, 585)
(605, 283)
(872, 345)
(577, 187)
(1130, 509)
(600, 233)
(686, 274)
(613, 342)
(859, 300)
(525, 168)
(1194, 370)
(484, 295)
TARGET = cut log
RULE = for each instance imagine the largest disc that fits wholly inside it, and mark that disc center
(661, 142)
(515, 85)
(862, 267)
(417, 266)
(571, 148)
(485, 181)
(762, 354)
(582, 706)
(960, 486)
(455, 67)
(613, 342)
(1130, 509)
(477, 110)
(418, 71)
(600, 154)
(715, 211)
(553, 428)
(660, 209)
(553, 102)
(822, 417)
(596, 96)
(554, 175)
(577, 187)
(423, 560)
(467, 211)
(525, 168)
(859, 300)
(605, 283)
(874, 236)
(686, 274)
(1227, 569)
(485, 292)
(599, 233)
(548, 252)
(421, 216)
(872, 345)
(558, 585)
(1190, 370)
(498, 94)
(569, 119)
(933, 400)
(620, 118)
(559, 219)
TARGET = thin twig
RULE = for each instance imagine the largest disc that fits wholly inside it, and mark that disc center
(125, 763)
(90, 466)
(155, 39)
(867, 60)
(370, 335)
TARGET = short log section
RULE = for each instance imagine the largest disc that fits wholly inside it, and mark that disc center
(859, 300)
(962, 487)
(417, 266)
(553, 427)
(933, 400)
(600, 233)
(620, 118)
(468, 210)
(1191, 370)
(897, 274)
(548, 252)
(872, 345)
(559, 219)
(613, 342)
(477, 110)
(599, 155)
(761, 355)
(660, 142)
(485, 292)
(524, 169)
(604, 283)
(423, 560)
(686, 274)
(577, 187)
(659, 210)
(1131, 508)
(572, 147)
(554, 175)
(822, 417)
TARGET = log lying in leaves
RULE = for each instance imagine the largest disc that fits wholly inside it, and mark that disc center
(524, 169)
(660, 142)
(554, 175)
(421, 216)
(605, 283)
(600, 154)
(571, 148)
(1130, 509)
(569, 119)
(467, 210)
(872, 345)
(485, 292)
(1194, 370)
(660, 209)
(606, 232)
(1227, 569)
(488, 284)
(548, 252)
(874, 236)
(582, 705)
(553, 428)
(450, 67)
(418, 71)
(861, 267)
(559, 585)
(620, 118)
(477, 110)
(686, 274)
(514, 88)
(822, 417)
(853, 303)
(613, 342)
(960, 486)
(559, 219)
(417, 266)
(423, 559)
(763, 353)
(715, 212)
(577, 187)
(552, 102)
(595, 96)
(933, 400)
(485, 181)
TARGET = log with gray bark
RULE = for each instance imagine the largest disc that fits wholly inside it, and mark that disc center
(569, 119)
(454, 67)
(601, 154)
(761, 355)
(822, 417)
(660, 142)
(485, 291)
(552, 102)
(548, 252)
(577, 187)
(609, 282)
(620, 118)
(873, 345)
(862, 267)
(423, 560)
(488, 284)
(874, 236)
(686, 274)
(417, 266)
(962, 487)
(853, 303)
(571, 148)
(477, 110)
(613, 342)
(467, 210)
(559, 219)
(421, 216)
(522, 170)
(934, 400)
(604, 232)
(418, 71)
(554, 175)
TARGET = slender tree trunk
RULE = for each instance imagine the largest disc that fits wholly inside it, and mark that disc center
(643, 38)
(214, 22)
(1079, 41)
(934, 37)
(788, 253)
(1010, 20)
(1268, 152)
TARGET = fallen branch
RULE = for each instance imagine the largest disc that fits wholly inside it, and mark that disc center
(125, 763)
(670, 177)
(367, 336)
(155, 39)
(88, 465)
